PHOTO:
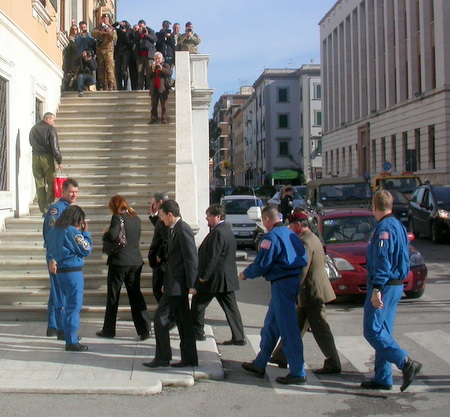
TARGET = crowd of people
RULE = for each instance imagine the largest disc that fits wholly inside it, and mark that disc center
(119, 56)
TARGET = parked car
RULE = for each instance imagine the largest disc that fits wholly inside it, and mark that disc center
(400, 207)
(429, 212)
(346, 233)
(236, 207)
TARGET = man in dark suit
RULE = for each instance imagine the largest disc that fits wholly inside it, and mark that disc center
(179, 282)
(217, 276)
(315, 291)
(157, 251)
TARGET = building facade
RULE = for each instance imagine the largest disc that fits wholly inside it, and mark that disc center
(33, 36)
(386, 84)
(222, 164)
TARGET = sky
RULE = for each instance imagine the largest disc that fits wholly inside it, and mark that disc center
(242, 37)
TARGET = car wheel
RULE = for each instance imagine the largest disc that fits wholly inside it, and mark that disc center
(411, 228)
(415, 294)
(435, 234)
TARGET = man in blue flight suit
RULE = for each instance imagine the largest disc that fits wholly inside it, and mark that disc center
(387, 267)
(56, 299)
(280, 260)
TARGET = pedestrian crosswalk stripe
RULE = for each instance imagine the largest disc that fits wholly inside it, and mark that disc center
(313, 386)
(361, 356)
(436, 341)
(357, 351)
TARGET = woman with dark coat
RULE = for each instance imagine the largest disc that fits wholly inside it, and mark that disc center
(125, 266)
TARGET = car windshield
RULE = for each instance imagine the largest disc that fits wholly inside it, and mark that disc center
(240, 206)
(348, 229)
(342, 192)
(403, 185)
(399, 198)
(442, 195)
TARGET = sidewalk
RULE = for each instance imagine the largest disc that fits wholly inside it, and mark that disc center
(30, 362)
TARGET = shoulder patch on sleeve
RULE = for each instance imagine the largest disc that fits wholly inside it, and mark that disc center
(265, 244)
(384, 235)
(53, 211)
(79, 239)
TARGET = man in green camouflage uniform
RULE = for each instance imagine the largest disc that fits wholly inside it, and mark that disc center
(106, 37)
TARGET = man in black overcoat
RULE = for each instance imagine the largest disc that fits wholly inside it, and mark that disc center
(217, 276)
(179, 282)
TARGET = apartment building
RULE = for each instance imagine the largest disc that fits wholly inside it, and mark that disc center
(385, 87)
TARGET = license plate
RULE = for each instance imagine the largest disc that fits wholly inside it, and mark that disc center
(244, 233)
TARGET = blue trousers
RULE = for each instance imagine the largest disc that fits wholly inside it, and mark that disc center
(55, 306)
(72, 284)
(379, 332)
(281, 320)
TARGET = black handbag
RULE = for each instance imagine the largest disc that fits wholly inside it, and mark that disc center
(110, 248)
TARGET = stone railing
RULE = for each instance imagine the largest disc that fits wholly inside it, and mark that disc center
(193, 98)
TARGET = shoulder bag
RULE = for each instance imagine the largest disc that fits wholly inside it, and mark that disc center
(110, 248)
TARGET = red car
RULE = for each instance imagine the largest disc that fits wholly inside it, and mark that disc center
(346, 233)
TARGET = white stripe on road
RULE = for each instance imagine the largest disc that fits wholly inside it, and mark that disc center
(313, 385)
(436, 341)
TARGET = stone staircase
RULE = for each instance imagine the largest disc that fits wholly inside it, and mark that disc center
(109, 148)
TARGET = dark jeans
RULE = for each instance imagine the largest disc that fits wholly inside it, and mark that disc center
(122, 62)
(84, 80)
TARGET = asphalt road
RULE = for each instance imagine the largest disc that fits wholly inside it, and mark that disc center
(422, 327)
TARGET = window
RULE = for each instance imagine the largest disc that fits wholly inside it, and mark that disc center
(319, 147)
(317, 118)
(317, 91)
(3, 134)
(283, 121)
(283, 95)
(431, 147)
(417, 140)
(283, 148)
(383, 150)
(394, 152)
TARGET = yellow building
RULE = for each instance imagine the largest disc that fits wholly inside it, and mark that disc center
(33, 35)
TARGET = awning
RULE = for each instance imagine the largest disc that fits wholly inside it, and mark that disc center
(287, 174)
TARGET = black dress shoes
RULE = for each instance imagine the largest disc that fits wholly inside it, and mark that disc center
(200, 337)
(281, 364)
(156, 363)
(255, 370)
(183, 364)
(291, 380)
(101, 333)
(234, 342)
(145, 336)
(51, 332)
(327, 371)
(410, 369)
(374, 385)
(76, 348)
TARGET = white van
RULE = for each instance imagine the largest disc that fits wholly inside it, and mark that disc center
(236, 207)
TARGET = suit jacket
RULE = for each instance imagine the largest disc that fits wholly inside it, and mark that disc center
(164, 74)
(182, 260)
(130, 255)
(217, 261)
(159, 242)
(315, 286)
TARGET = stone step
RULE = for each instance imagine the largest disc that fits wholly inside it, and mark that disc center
(36, 295)
(38, 312)
(39, 278)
